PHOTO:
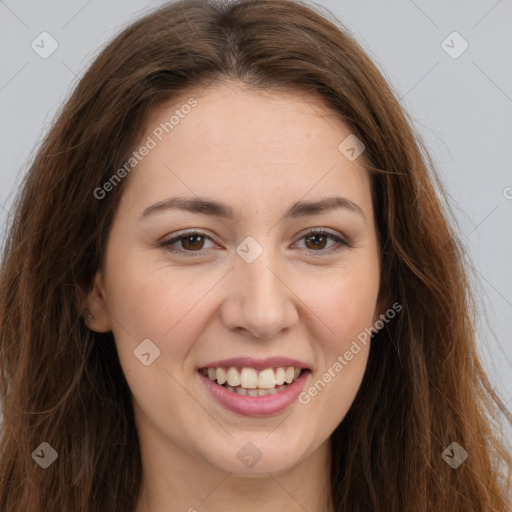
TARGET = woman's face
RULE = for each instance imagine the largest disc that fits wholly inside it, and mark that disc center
(244, 293)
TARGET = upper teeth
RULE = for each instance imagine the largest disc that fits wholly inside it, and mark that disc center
(249, 378)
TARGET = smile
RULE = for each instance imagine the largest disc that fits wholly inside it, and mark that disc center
(248, 381)
(254, 387)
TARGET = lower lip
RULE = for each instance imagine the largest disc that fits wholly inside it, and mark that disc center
(256, 405)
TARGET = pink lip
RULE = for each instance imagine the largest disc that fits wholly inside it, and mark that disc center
(257, 364)
(255, 405)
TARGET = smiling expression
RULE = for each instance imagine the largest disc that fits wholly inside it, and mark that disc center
(214, 256)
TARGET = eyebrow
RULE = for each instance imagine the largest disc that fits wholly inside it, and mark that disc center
(205, 206)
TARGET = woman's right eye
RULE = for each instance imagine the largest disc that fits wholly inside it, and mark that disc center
(191, 242)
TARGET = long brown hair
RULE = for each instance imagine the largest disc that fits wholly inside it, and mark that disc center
(62, 384)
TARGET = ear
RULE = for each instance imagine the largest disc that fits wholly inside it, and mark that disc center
(376, 314)
(97, 317)
(384, 295)
(382, 305)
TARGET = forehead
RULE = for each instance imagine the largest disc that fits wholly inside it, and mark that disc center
(232, 116)
(229, 139)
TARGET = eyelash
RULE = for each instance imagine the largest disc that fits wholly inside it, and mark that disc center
(342, 244)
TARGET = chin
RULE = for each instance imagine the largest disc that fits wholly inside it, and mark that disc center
(257, 454)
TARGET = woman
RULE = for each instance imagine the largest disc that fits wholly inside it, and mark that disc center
(229, 283)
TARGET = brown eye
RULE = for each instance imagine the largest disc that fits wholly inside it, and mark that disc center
(318, 241)
(189, 244)
(192, 242)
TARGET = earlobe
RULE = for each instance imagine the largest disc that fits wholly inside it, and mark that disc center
(96, 315)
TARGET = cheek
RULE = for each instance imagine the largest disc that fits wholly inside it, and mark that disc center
(156, 303)
(346, 309)
(346, 305)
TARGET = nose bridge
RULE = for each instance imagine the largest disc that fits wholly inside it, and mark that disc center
(259, 300)
(260, 274)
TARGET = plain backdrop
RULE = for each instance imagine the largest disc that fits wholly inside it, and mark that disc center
(457, 87)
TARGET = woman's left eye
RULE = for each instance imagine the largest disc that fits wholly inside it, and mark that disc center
(193, 242)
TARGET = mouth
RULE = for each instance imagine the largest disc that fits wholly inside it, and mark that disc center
(254, 387)
(252, 382)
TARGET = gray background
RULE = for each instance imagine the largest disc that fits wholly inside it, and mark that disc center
(462, 107)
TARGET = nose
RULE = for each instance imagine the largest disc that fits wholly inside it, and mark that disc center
(258, 297)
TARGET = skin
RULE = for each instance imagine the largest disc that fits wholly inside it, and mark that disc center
(288, 302)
